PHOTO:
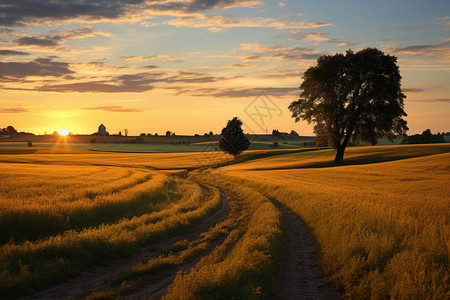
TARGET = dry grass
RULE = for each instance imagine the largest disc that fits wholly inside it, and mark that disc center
(50, 257)
(382, 221)
(383, 228)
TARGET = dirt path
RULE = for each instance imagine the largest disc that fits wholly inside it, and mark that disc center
(94, 278)
(300, 275)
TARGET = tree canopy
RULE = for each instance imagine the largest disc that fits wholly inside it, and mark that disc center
(233, 140)
(353, 96)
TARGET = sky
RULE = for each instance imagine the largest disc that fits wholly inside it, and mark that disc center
(188, 66)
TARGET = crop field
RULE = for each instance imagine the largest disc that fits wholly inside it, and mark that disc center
(274, 223)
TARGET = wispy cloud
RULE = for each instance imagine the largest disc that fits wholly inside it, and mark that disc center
(13, 110)
(431, 100)
(56, 40)
(445, 22)
(318, 37)
(412, 90)
(218, 23)
(239, 92)
(439, 49)
(280, 53)
(129, 83)
(149, 57)
(13, 53)
(114, 108)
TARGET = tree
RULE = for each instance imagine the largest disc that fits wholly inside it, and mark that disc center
(233, 140)
(168, 132)
(11, 130)
(353, 96)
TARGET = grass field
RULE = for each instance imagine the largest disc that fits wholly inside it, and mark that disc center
(381, 221)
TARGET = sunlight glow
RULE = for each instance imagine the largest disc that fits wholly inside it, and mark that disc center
(63, 132)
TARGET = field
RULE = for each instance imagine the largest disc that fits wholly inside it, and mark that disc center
(124, 222)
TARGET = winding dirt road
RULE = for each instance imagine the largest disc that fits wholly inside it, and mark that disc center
(300, 276)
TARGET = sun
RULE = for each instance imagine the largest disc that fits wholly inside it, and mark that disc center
(63, 132)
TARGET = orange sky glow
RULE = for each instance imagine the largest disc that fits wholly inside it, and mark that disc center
(188, 67)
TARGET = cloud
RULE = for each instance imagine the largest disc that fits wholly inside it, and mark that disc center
(13, 110)
(39, 67)
(19, 13)
(439, 49)
(151, 67)
(218, 23)
(12, 53)
(5, 31)
(347, 44)
(230, 66)
(412, 90)
(114, 108)
(130, 83)
(435, 100)
(35, 41)
(313, 36)
(280, 53)
(445, 21)
(239, 93)
(318, 37)
(56, 39)
(149, 57)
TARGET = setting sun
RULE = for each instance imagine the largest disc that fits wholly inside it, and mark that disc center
(63, 132)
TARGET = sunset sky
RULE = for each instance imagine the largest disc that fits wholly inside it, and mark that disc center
(189, 66)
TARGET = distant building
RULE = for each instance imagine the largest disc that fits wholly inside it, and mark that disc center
(102, 129)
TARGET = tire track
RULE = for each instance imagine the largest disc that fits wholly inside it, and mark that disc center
(94, 279)
(300, 275)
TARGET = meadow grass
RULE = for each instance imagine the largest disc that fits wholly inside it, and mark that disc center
(33, 264)
(148, 161)
(39, 200)
(383, 228)
(381, 219)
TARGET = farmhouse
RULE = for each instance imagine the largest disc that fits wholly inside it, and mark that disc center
(102, 129)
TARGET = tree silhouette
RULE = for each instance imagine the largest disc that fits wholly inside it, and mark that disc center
(353, 96)
(233, 141)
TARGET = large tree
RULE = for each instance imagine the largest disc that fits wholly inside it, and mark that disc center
(353, 96)
(233, 140)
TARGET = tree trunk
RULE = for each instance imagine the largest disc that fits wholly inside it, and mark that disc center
(339, 158)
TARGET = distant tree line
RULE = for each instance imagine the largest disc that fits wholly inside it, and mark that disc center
(425, 138)
(10, 130)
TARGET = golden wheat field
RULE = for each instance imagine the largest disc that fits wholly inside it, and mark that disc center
(104, 225)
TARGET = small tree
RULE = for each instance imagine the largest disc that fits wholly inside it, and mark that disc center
(233, 140)
(353, 96)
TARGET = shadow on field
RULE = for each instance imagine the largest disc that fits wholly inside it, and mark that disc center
(325, 158)
(246, 157)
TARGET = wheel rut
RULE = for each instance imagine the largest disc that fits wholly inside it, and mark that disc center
(93, 279)
(300, 275)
